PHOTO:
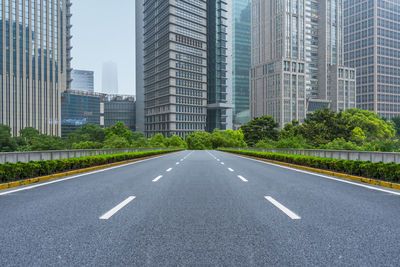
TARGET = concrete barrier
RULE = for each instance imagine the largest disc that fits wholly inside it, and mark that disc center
(386, 157)
(14, 157)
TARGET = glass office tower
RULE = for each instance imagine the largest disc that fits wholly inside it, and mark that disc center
(82, 80)
(241, 55)
(297, 59)
(372, 46)
(35, 61)
(175, 66)
(217, 84)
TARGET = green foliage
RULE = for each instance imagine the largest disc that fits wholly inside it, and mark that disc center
(175, 141)
(7, 143)
(260, 128)
(45, 142)
(115, 141)
(199, 141)
(382, 171)
(18, 171)
(157, 140)
(396, 125)
(340, 144)
(87, 145)
(119, 130)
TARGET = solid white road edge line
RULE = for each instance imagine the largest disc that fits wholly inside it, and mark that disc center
(231, 170)
(212, 155)
(325, 176)
(170, 169)
(74, 177)
(287, 211)
(188, 155)
(242, 178)
(114, 210)
(157, 178)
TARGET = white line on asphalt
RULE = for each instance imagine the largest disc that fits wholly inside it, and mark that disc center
(75, 176)
(177, 163)
(157, 178)
(242, 178)
(212, 155)
(326, 177)
(170, 169)
(230, 169)
(114, 210)
(188, 155)
(287, 211)
(181, 159)
(218, 160)
(222, 163)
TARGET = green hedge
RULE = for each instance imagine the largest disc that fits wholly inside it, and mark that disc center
(376, 170)
(24, 170)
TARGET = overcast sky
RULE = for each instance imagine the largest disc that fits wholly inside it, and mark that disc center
(104, 30)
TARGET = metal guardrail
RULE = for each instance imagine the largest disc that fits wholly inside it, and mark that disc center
(14, 157)
(385, 157)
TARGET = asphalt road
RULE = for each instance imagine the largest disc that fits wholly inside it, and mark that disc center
(200, 208)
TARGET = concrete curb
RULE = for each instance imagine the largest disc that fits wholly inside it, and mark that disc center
(63, 174)
(331, 173)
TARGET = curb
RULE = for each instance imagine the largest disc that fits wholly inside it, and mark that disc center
(63, 174)
(331, 173)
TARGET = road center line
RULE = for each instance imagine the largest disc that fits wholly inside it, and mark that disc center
(177, 163)
(222, 163)
(170, 169)
(218, 160)
(230, 169)
(287, 211)
(181, 159)
(212, 155)
(242, 178)
(157, 178)
(114, 210)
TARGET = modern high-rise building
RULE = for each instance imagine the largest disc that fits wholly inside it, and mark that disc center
(120, 108)
(175, 66)
(241, 61)
(82, 80)
(297, 59)
(185, 57)
(110, 78)
(217, 65)
(372, 46)
(35, 53)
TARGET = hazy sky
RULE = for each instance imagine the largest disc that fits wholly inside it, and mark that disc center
(104, 30)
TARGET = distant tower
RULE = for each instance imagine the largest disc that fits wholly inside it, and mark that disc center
(110, 78)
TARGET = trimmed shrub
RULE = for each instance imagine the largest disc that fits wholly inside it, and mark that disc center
(375, 170)
(24, 170)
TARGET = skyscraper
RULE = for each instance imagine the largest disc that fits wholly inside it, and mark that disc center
(217, 47)
(82, 80)
(297, 59)
(241, 60)
(175, 61)
(35, 53)
(110, 78)
(372, 46)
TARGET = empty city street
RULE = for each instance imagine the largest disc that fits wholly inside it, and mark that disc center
(200, 208)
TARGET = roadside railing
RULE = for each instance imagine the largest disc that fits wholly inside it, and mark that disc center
(385, 157)
(14, 157)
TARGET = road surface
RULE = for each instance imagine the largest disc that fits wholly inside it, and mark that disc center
(200, 208)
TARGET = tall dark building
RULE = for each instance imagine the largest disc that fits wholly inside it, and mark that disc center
(120, 108)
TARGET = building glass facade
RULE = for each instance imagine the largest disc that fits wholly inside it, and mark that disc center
(80, 108)
(175, 66)
(217, 64)
(372, 46)
(119, 108)
(82, 80)
(241, 61)
(297, 59)
(33, 71)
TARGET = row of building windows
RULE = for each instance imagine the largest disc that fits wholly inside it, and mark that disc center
(187, 83)
(188, 92)
(359, 44)
(188, 100)
(188, 58)
(189, 75)
(188, 66)
(194, 118)
(190, 109)
(191, 126)
(189, 41)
